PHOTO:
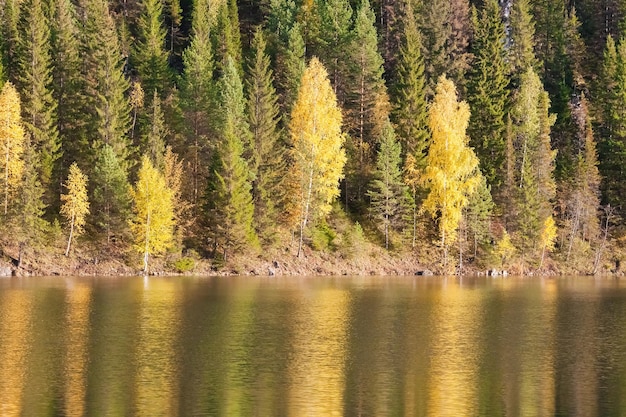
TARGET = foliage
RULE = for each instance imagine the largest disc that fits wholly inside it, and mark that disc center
(184, 264)
(75, 204)
(504, 249)
(317, 154)
(153, 213)
(450, 165)
(12, 142)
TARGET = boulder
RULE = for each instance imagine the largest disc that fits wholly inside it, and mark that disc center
(425, 272)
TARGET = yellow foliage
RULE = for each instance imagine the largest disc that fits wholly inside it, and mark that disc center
(504, 248)
(317, 154)
(153, 224)
(548, 234)
(450, 174)
(11, 142)
(75, 204)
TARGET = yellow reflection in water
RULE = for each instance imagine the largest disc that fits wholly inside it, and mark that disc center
(157, 373)
(78, 302)
(15, 325)
(454, 359)
(317, 365)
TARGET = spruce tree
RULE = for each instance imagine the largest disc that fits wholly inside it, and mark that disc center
(156, 134)
(10, 38)
(534, 159)
(487, 92)
(35, 87)
(336, 21)
(108, 106)
(293, 65)
(368, 104)
(389, 195)
(228, 201)
(227, 39)
(68, 86)
(522, 33)
(409, 96)
(268, 156)
(150, 57)
(197, 100)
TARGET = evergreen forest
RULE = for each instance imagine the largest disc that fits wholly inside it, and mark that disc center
(466, 134)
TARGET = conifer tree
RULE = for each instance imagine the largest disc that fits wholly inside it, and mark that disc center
(156, 134)
(30, 205)
(109, 196)
(75, 204)
(109, 109)
(522, 33)
(368, 104)
(317, 156)
(293, 67)
(227, 39)
(12, 141)
(68, 86)
(153, 221)
(173, 19)
(336, 21)
(478, 213)
(534, 159)
(487, 92)
(451, 164)
(409, 99)
(197, 94)
(150, 56)
(389, 195)
(228, 204)
(268, 156)
(35, 86)
(10, 37)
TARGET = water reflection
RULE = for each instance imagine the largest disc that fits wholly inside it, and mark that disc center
(312, 347)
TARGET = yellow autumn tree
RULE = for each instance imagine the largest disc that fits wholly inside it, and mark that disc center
(317, 154)
(75, 204)
(548, 237)
(153, 223)
(450, 174)
(12, 142)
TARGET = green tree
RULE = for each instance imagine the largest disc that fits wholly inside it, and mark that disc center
(154, 144)
(108, 120)
(410, 113)
(110, 195)
(317, 154)
(268, 156)
(35, 86)
(12, 141)
(293, 60)
(450, 165)
(522, 27)
(153, 219)
(487, 92)
(389, 195)
(228, 203)
(227, 40)
(75, 204)
(534, 158)
(336, 21)
(197, 94)
(150, 56)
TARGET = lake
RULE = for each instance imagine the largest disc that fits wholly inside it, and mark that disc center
(315, 346)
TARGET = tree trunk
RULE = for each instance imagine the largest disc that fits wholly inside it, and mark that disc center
(69, 241)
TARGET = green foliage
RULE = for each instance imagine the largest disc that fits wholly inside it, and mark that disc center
(228, 200)
(487, 92)
(323, 237)
(184, 264)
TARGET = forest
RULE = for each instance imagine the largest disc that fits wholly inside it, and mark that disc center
(465, 134)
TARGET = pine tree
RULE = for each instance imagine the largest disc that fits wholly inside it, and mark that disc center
(410, 113)
(227, 39)
(108, 107)
(487, 92)
(68, 86)
(10, 37)
(154, 144)
(317, 156)
(368, 104)
(109, 196)
(228, 202)
(268, 156)
(534, 159)
(75, 204)
(389, 195)
(522, 33)
(35, 86)
(293, 60)
(150, 56)
(336, 21)
(450, 165)
(153, 221)
(197, 93)
(12, 143)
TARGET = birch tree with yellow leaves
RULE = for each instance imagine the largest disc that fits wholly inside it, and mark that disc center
(11, 141)
(153, 223)
(75, 204)
(450, 175)
(317, 155)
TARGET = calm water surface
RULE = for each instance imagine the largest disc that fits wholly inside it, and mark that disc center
(362, 346)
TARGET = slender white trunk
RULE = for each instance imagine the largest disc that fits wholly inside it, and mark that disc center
(69, 241)
(146, 252)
